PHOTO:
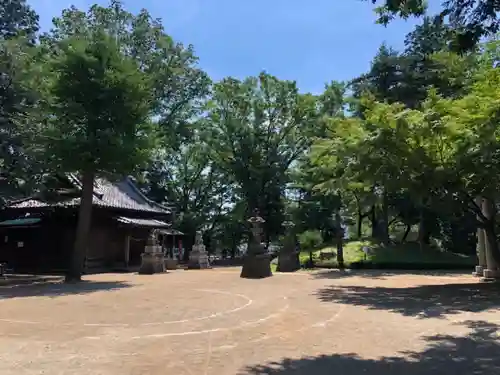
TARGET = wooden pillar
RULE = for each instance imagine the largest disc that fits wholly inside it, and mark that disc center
(492, 267)
(173, 247)
(127, 250)
(481, 245)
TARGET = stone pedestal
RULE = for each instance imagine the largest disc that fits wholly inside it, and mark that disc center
(198, 260)
(256, 266)
(198, 257)
(256, 263)
(491, 274)
(153, 259)
(288, 262)
(171, 264)
(288, 258)
(478, 271)
(152, 263)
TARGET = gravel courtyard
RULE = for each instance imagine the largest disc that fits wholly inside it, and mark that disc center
(213, 322)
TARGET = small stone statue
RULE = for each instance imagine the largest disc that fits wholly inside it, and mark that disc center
(198, 239)
(152, 239)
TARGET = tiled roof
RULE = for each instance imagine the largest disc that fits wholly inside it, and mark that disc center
(123, 194)
(142, 222)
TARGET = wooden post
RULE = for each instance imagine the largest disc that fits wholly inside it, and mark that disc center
(489, 211)
(127, 250)
(481, 245)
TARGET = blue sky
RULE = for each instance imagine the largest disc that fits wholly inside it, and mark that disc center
(312, 42)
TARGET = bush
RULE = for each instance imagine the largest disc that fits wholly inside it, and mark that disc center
(310, 240)
(405, 256)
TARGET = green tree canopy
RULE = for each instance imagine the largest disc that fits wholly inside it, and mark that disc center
(98, 104)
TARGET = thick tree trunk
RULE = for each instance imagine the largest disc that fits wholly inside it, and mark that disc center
(373, 221)
(384, 222)
(340, 239)
(421, 229)
(407, 231)
(75, 268)
(359, 229)
(268, 241)
(481, 239)
(492, 250)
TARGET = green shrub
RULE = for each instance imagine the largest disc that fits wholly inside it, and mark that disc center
(310, 240)
(404, 256)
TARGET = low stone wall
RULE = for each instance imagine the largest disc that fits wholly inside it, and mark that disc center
(227, 262)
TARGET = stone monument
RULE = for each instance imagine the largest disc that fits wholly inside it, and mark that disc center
(481, 253)
(257, 262)
(153, 259)
(492, 269)
(198, 257)
(288, 258)
(481, 245)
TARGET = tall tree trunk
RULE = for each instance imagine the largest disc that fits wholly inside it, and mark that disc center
(421, 228)
(492, 250)
(359, 229)
(481, 238)
(340, 239)
(75, 268)
(407, 231)
(384, 222)
(373, 221)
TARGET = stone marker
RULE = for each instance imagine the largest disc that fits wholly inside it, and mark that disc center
(198, 257)
(288, 258)
(481, 245)
(257, 262)
(153, 259)
(492, 271)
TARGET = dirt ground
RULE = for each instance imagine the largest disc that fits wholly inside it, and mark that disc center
(213, 322)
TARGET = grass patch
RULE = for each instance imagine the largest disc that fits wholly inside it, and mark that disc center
(406, 256)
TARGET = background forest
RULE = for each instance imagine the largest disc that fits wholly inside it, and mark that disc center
(407, 153)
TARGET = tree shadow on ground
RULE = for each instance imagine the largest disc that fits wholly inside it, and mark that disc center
(424, 301)
(57, 289)
(381, 274)
(476, 353)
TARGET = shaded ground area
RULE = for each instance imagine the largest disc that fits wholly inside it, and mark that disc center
(475, 353)
(383, 274)
(213, 322)
(46, 287)
(424, 301)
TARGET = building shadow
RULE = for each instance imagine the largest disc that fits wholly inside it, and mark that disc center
(476, 353)
(58, 289)
(424, 301)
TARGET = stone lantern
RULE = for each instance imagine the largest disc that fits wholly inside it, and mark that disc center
(257, 262)
(288, 258)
